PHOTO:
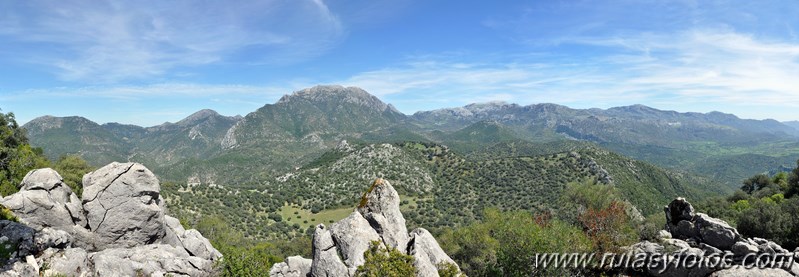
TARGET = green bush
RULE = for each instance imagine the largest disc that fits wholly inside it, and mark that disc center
(382, 262)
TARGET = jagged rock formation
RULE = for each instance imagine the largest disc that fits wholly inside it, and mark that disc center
(697, 235)
(338, 250)
(118, 228)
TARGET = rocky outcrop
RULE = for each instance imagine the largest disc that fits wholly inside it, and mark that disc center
(294, 266)
(118, 228)
(44, 200)
(122, 205)
(339, 249)
(720, 248)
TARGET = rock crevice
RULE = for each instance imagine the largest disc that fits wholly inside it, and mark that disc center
(113, 231)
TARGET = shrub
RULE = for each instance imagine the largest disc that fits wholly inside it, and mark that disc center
(382, 262)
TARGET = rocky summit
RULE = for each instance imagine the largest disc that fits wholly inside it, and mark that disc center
(116, 228)
(339, 249)
(690, 235)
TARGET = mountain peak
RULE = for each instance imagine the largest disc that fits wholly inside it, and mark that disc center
(198, 116)
(49, 122)
(336, 94)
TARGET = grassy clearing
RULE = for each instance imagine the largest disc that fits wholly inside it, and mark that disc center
(294, 214)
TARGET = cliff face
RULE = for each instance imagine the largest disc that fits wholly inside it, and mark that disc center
(339, 249)
(117, 228)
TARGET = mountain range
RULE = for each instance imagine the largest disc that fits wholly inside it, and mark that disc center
(300, 127)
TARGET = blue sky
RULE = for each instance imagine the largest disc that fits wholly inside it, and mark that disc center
(147, 62)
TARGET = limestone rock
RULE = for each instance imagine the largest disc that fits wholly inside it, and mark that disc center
(380, 207)
(679, 209)
(326, 261)
(45, 201)
(69, 262)
(339, 250)
(49, 237)
(191, 240)
(149, 260)
(716, 232)
(294, 266)
(121, 215)
(427, 254)
(353, 236)
(121, 201)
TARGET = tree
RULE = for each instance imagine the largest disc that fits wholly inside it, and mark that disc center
(765, 219)
(385, 262)
(755, 183)
(505, 243)
(72, 168)
(17, 157)
(793, 182)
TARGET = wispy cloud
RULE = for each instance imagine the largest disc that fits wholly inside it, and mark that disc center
(107, 41)
(154, 91)
(718, 67)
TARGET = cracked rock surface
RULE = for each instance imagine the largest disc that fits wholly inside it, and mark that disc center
(44, 200)
(121, 201)
(118, 228)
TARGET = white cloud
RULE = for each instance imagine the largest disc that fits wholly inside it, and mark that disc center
(717, 68)
(154, 91)
(107, 41)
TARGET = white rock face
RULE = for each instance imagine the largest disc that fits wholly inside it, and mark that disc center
(338, 250)
(353, 235)
(382, 211)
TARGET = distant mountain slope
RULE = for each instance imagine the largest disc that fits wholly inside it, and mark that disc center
(444, 188)
(77, 135)
(300, 127)
(196, 136)
(794, 124)
(666, 138)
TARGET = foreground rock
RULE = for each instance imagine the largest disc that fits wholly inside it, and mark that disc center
(122, 205)
(44, 200)
(117, 229)
(338, 250)
(722, 250)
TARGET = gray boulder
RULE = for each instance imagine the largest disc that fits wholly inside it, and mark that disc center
(191, 240)
(45, 201)
(353, 235)
(716, 232)
(294, 266)
(149, 260)
(52, 238)
(679, 209)
(122, 201)
(380, 206)
(428, 255)
(326, 260)
(69, 262)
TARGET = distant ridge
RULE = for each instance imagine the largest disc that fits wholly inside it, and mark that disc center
(305, 123)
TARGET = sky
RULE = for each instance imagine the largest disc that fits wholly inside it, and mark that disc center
(151, 61)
